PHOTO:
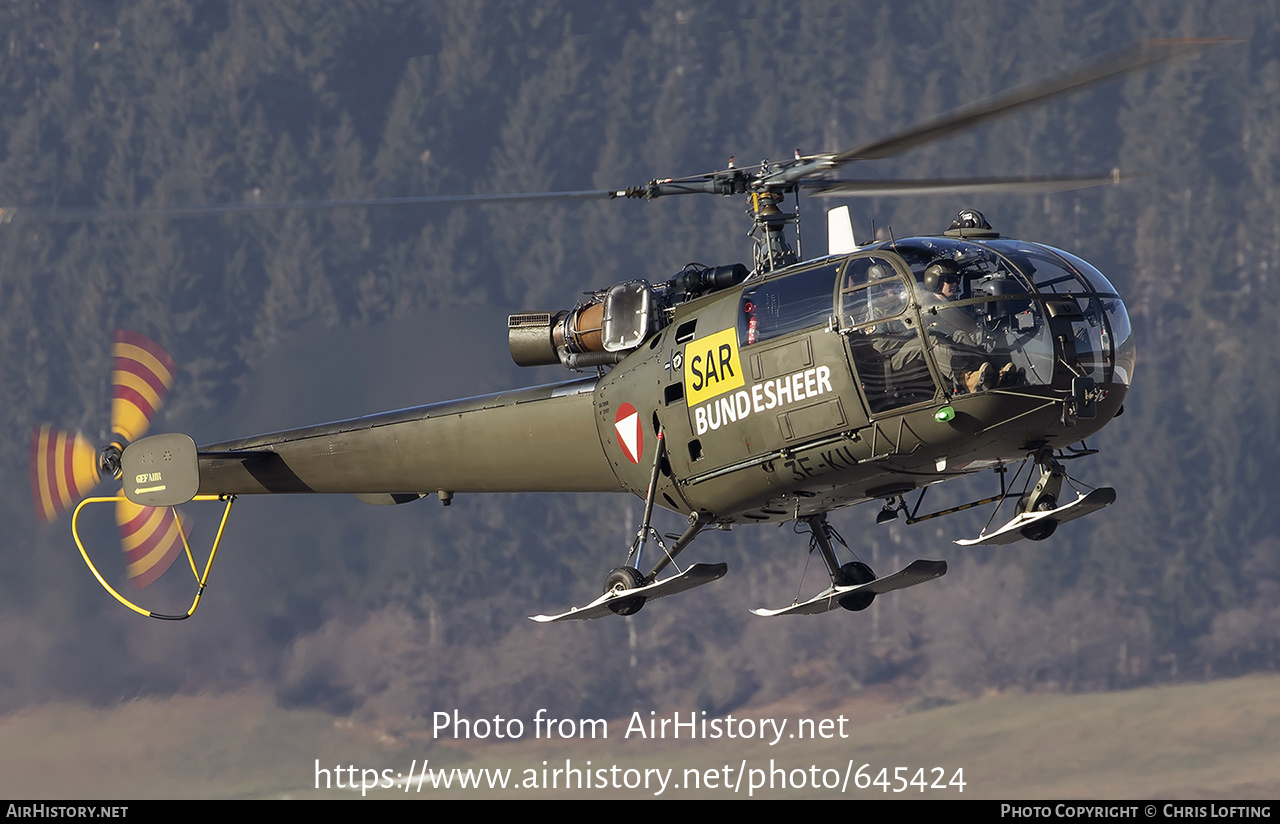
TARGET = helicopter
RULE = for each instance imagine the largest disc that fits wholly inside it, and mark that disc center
(730, 394)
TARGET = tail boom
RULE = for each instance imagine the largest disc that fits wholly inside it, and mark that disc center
(541, 439)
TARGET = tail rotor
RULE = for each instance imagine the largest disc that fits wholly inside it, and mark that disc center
(151, 537)
(141, 374)
(66, 467)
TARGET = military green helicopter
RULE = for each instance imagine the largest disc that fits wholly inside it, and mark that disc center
(730, 395)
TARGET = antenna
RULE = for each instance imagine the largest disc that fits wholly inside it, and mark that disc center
(840, 238)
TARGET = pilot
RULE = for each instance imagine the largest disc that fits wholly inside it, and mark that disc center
(942, 284)
(958, 342)
(886, 301)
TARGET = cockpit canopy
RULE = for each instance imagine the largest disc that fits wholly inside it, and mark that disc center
(994, 313)
(1020, 288)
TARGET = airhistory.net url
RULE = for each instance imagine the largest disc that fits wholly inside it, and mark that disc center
(657, 780)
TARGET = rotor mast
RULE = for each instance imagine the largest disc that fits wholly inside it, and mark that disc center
(766, 187)
(769, 183)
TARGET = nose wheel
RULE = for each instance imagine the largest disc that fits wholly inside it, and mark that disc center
(1038, 513)
(1042, 529)
(1044, 497)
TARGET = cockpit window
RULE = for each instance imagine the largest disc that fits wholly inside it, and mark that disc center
(884, 297)
(787, 304)
(1044, 313)
(1116, 334)
(1047, 271)
(983, 327)
(883, 336)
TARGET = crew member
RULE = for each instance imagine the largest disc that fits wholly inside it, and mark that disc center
(958, 342)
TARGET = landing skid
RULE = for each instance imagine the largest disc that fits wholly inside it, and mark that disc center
(1014, 530)
(916, 572)
(694, 576)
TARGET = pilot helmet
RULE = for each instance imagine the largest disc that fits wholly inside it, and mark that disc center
(938, 271)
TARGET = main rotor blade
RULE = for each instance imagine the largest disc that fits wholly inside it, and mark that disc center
(1134, 57)
(1013, 185)
(53, 215)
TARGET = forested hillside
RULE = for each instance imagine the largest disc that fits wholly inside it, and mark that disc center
(287, 318)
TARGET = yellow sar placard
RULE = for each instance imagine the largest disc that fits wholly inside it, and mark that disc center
(711, 366)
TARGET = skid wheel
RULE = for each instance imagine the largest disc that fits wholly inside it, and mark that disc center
(1044, 528)
(851, 574)
(625, 577)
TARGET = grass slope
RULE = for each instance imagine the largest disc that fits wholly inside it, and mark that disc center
(1216, 740)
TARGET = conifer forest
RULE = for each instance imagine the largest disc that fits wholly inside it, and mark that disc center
(285, 318)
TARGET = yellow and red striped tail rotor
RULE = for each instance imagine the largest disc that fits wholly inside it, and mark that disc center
(65, 466)
(141, 374)
(64, 469)
(152, 538)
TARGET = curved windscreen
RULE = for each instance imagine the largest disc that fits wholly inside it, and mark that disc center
(1115, 330)
(1006, 313)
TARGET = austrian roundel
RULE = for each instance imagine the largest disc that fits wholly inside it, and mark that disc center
(630, 436)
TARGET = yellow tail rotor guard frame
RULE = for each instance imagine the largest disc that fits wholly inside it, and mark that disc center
(201, 580)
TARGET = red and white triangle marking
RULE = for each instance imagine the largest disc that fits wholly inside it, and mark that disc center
(630, 436)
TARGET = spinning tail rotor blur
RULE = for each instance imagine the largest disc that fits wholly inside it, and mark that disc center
(66, 467)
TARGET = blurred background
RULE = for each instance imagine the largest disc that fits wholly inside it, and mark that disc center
(279, 319)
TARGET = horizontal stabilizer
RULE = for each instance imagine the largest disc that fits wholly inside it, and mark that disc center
(389, 498)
